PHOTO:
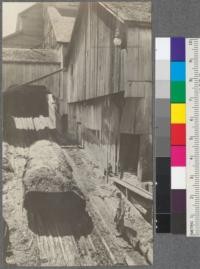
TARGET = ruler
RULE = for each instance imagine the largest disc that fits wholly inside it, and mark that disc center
(193, 136)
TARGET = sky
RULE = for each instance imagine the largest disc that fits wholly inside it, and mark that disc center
(10, 12)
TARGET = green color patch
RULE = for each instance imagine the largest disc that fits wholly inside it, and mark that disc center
(178, 92)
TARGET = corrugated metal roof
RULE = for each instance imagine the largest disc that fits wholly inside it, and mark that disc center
(30, 55)
(138, 11)
(62, 26)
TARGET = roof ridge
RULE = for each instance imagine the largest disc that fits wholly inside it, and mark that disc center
(28, 8)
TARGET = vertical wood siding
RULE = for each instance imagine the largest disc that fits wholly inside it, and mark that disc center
(139, 62)
(110, 89)
(102, 121)
(94, 62)
(100, 127)
(19, 73)
(49, 36)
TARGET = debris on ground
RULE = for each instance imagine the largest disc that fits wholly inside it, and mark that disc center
(53, 242)
(22, 252)
(138, 232)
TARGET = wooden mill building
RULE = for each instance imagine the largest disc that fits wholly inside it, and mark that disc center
(38, 48)
(104, 88)
(109, 85)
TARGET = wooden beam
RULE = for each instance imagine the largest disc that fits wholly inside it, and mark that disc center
(139, 191)
(39, 78)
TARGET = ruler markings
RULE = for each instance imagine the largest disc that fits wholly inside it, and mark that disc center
(193, 136)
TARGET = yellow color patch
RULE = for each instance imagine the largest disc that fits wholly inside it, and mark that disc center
(178, 113)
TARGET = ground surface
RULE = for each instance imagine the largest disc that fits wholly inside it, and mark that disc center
(52, 243)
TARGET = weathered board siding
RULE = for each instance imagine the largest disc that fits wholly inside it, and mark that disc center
(97, 68)
(138, 71)
(63, 97)
(49, 40)
(19, 73)
(93, 68)
(109, 89)
(101, 122)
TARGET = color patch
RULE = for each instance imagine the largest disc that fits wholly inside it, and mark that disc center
(178, 225)
(162, 147)
(178, 92)
(163, 223)
(162, 48)
(178, 201)
(178, 178)
(178, 134)
(162, 133)
(177, 71)
(162, 70)
(178, 113)
(177, 49)
(163, 195)
(178, 156)
(162, 108)
(163, 127)
(162, 89)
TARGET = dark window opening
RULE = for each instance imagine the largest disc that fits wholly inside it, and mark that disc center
(129, 152)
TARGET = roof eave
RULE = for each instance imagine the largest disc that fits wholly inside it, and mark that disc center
(124, 21)
(138, 23)
(12, 35)
(112, 12)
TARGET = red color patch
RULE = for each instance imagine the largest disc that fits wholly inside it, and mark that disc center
(178, 134)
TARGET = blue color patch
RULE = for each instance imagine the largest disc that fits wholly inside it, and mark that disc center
(178, 71)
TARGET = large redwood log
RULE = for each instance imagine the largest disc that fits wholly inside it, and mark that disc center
(48, 171)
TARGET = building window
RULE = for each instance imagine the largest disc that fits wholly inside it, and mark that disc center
(129, 152)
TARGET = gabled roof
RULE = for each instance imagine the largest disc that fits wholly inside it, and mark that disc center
(62, 26)
(27, 10)
(62, 16)
(136, 11)
(30, 55)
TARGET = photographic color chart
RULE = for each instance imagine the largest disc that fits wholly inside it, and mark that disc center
(162, 134)
(177, 135)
